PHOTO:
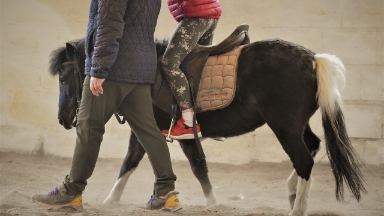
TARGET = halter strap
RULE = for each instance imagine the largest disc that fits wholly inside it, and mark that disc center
(78, 84)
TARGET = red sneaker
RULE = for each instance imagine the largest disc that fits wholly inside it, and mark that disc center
(182, 131)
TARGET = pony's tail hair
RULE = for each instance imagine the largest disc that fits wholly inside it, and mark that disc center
(344, 161)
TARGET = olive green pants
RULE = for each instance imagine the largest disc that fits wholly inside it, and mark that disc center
(135, 103)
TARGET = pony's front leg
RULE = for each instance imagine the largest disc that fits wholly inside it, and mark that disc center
(117, 190)
(199, 169)
(131, 161)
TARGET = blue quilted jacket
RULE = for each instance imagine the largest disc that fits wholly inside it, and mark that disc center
(119, 43)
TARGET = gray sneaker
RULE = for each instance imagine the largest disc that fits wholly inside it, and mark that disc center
(58, 199)
(171, 203)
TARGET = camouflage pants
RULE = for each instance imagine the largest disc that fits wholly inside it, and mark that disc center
(189, 32)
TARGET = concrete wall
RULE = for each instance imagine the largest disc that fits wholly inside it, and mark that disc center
(350, 29)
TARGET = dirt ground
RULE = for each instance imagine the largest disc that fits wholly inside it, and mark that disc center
(252, 189)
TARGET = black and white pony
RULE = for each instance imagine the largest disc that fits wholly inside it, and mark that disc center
(280, 84)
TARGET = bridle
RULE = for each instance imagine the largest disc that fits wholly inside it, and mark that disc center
(79, 86)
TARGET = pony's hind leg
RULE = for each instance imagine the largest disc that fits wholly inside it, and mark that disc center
(292, 187)
(199, 169)
(313, 144)
(132, 159)
(291, 139)
(302, 195)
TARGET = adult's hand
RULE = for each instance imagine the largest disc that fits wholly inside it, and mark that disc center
(95, 85)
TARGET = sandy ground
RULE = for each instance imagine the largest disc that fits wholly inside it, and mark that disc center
(251, 189)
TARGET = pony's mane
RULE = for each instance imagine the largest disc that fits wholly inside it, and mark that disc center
(59, 56)
(161, 46)
(80, 47)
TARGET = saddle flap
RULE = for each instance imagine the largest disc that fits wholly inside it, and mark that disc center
(161, 93)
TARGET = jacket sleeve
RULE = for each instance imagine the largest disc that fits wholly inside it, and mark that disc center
(109, 31)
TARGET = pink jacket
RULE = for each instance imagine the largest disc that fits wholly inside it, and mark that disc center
(194, 8)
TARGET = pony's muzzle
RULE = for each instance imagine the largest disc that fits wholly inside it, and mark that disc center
(62, 122)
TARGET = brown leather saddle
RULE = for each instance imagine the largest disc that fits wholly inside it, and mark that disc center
(193, 65)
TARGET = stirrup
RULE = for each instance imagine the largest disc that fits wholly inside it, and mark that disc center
(168, 138)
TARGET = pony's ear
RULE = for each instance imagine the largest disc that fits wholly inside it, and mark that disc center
(70, 49)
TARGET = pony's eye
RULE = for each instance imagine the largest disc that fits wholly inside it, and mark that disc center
(63, 80)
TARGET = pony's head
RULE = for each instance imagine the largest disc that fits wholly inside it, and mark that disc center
(63, 63)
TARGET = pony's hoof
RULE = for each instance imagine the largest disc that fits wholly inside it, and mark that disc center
(295, 213)
(110, 202)
(211, 199)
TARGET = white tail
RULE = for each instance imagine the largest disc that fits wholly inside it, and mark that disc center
(330, 73)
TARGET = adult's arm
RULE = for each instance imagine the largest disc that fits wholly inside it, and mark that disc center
(109, 31)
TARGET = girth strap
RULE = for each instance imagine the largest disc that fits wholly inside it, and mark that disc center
(197, 139)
